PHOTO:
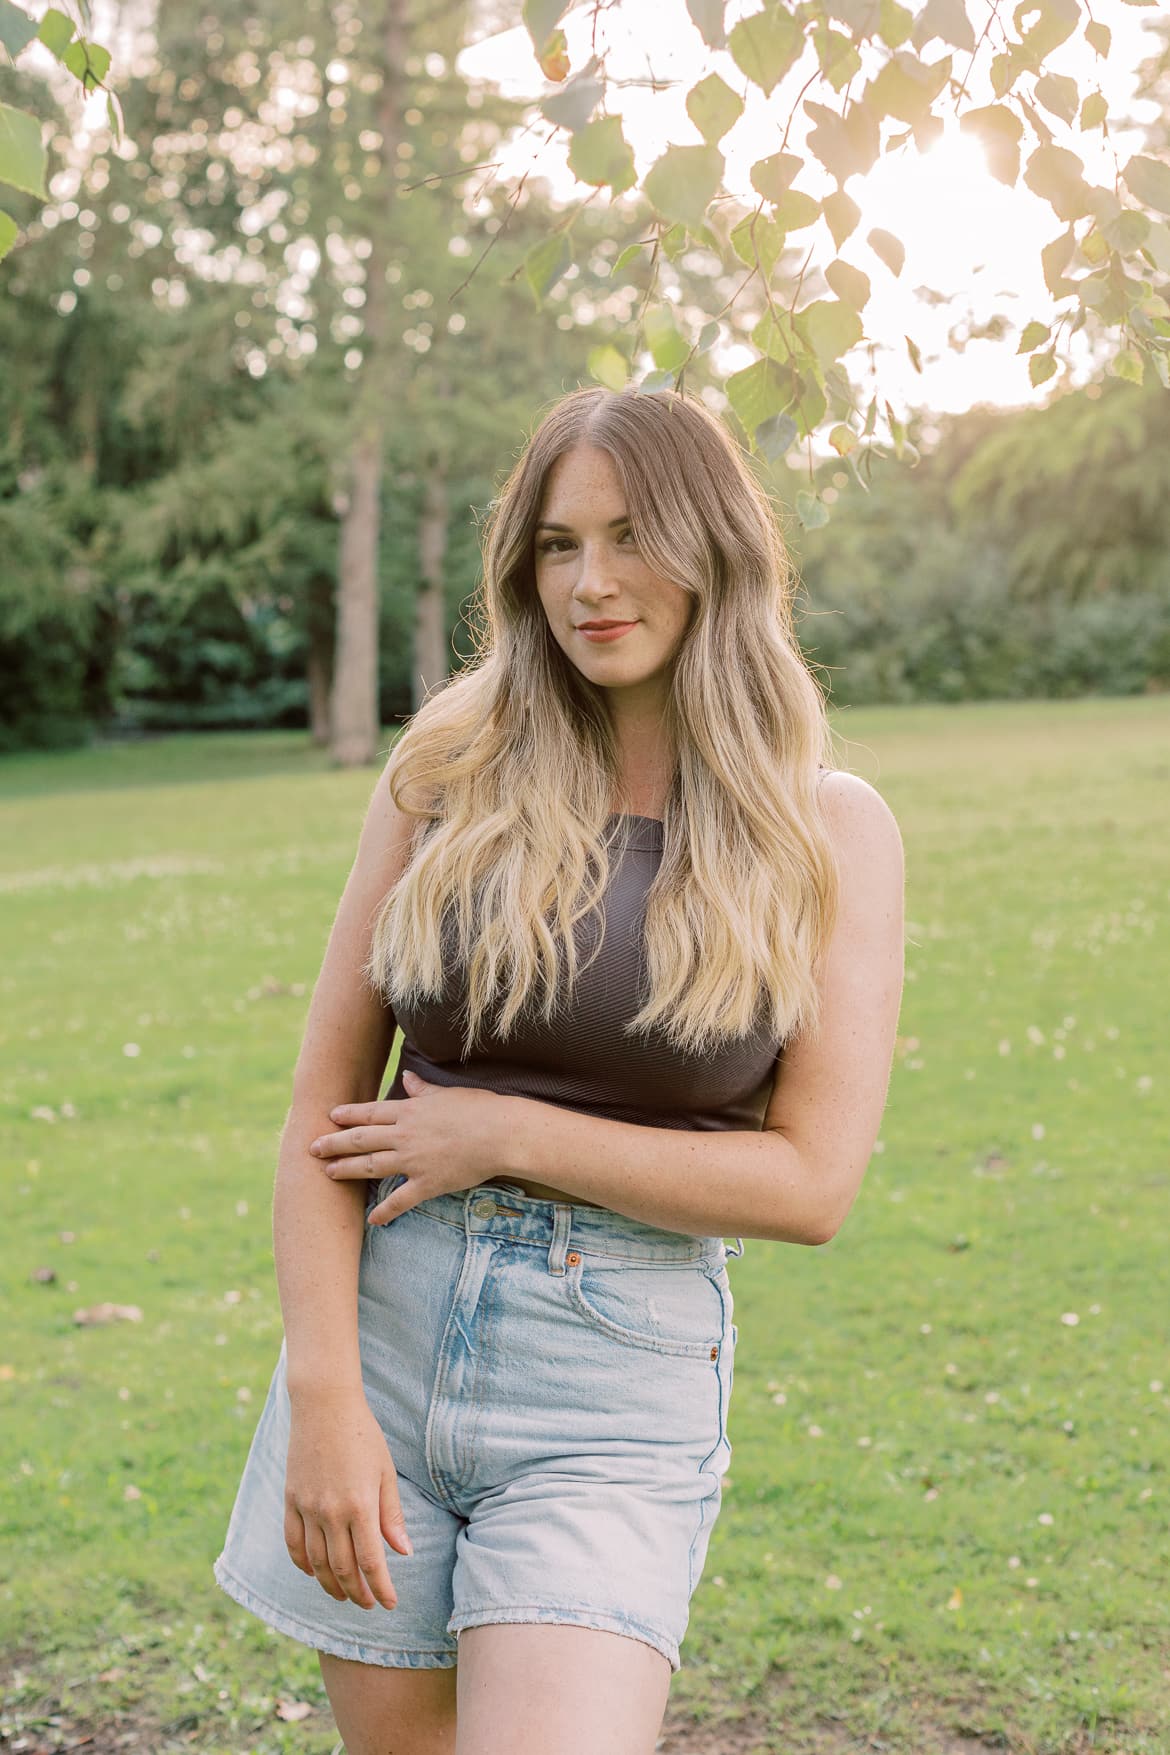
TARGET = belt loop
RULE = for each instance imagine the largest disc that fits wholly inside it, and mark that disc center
(562, 1225)
(738, 1251)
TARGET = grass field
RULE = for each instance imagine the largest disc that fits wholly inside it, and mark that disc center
(947, 1521)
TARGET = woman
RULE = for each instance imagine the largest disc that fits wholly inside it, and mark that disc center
(648, 966)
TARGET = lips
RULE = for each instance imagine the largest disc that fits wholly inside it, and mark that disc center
(597, 627)
(603, 635)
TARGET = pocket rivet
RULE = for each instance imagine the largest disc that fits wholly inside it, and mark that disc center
(573, 1258)
(714, 1352)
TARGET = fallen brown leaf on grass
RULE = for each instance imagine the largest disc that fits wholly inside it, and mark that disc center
(97, 1313)
(292, 1710)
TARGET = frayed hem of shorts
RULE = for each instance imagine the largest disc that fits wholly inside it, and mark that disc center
(492, 1614)
(322, 1639)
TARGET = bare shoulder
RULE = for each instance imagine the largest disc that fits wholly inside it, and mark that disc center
(862, 825)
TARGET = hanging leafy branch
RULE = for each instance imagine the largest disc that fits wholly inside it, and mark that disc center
(23, 158)
(1108, 259)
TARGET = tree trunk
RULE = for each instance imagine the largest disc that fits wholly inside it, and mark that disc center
(322, 617)
(354, 719)
(431, 645)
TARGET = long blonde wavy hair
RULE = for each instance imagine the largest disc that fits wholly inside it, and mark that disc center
(511, 764)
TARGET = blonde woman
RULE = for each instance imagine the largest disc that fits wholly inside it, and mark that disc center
(645, 947)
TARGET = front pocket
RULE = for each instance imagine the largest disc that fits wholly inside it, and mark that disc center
(666, 1307)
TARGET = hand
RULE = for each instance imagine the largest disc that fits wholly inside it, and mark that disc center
(341, 1498)
(444, 1138)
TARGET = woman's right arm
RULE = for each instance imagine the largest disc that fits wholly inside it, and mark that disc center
(341, 1486)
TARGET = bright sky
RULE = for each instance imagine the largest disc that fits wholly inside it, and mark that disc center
(966, 234)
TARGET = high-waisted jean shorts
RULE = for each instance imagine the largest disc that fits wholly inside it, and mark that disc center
(553, 1381)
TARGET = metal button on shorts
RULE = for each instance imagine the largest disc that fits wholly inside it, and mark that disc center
(553, 1381)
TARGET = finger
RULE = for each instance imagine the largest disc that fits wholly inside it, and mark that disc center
(343, 1564)
(371, 1557)
(390, 1516)
(351, 1139)
(349, 1114)
(401, 1201)
(294, 1539)
(318, 1552)
(371, 1168)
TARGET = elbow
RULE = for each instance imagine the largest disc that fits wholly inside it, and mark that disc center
(827, 1226)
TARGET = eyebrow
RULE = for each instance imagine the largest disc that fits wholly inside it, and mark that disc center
(612, 525)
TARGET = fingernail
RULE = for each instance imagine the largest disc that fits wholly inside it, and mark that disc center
(408, 1544)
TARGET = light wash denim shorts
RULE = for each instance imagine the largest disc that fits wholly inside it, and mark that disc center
(553, 1381)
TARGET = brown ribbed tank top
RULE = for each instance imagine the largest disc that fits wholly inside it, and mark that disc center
(585, 1059)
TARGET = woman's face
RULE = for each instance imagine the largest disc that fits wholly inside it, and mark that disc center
(589, 569)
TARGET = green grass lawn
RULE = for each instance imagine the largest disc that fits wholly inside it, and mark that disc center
(948, 1510)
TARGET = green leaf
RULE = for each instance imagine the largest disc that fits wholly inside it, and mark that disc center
(9, 232)
(573, 104)
(845, 145)
(776, 336)
(656, 380)
(599, 153)
(1149, 180)
(16, 30)
(1041, 367)
(55, 31)
(1059, 94)
(1003, 72)
(946, 19)
(1056, 175)
(843, 439)
(766, 45)
(831, 328)
(608, 366)
(540, 16)
(1098, 36)
(1033, 334)
(998, 131)
(795, 210)
(1053, 257)
(896, 23)
(838, 58)
(849, 283)
(673, 241)
(768, 242)
(1127, 230)
(714, 108)
(546, 262)
(811, 510)
(776, 436)
(1128, 364)
(1157, 246)
(758, 392)
(772, 176)
(22, 157)
(891, 249)
(915, 355)
(627, 256)
(1094, 111)
(708, 18)
(667, 346)
(88, 62)
(907, 87)
(1093, 246)
(841, 215)
(683, 181)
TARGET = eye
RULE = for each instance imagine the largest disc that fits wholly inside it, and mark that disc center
(550, 545)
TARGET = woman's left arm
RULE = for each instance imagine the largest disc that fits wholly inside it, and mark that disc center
(795, 1181)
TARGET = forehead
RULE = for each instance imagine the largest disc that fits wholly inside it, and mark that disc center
(585, 472)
